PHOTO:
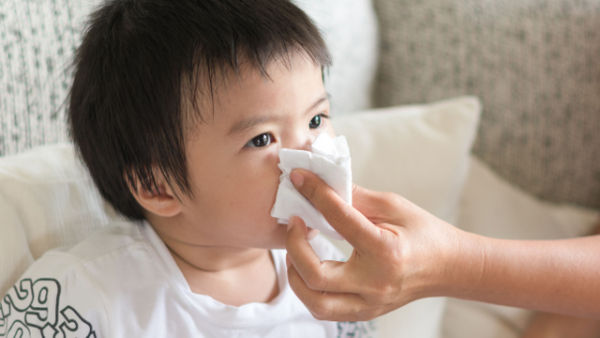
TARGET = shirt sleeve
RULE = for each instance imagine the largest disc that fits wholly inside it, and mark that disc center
(53, 298)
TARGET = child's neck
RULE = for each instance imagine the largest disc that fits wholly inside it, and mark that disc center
(233, 276)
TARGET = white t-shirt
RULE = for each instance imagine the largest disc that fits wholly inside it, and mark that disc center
(123, 282)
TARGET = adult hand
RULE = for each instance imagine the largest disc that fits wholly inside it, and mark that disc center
(399, 253)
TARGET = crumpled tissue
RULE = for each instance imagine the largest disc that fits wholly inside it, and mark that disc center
(329, 158)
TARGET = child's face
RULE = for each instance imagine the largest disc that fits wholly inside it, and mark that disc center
(233, 157)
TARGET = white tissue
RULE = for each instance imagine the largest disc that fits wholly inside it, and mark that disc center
(329, 158)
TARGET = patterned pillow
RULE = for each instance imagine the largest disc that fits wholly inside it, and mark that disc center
(38, 39)
(535, 64)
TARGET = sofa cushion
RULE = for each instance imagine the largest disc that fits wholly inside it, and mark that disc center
(534, 64)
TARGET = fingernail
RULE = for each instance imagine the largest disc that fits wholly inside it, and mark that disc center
(297, 179)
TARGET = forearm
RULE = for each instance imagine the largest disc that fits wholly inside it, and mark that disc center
(557, 276)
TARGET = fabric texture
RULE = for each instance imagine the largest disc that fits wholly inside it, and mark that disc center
(37, 43)
(534, 64)
(329, 158)
(123, 282)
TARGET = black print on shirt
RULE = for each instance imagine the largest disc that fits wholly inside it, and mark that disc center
(355, 329)
(32, 309)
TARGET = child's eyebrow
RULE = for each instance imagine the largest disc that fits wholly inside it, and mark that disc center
(324, 97)
(248, 123)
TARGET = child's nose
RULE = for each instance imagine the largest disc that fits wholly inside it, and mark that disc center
(299, 142)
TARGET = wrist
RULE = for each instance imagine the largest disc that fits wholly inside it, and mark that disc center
(443, 266)
(462, 265)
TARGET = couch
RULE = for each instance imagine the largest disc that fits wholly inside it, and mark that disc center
(533, 172)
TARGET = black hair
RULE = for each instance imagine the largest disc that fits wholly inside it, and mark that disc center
(138, 62)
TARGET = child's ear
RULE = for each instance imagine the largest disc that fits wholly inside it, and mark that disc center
(163, 202)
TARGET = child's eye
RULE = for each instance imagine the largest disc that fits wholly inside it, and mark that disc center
(259, 141)
(317, 120)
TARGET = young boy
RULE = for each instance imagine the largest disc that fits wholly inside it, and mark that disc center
(178, 109)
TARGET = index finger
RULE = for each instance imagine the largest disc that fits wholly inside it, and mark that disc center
(350, 223)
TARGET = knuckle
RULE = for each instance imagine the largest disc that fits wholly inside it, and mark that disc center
(317, 191)
(309, 190)
(324, 193)
(384, 293)
(381, 295)
(394, 255)
(316, 281)
(321, 310)
(389, 201)
(365, 312)
(293, 279)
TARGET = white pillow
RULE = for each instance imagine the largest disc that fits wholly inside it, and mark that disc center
(493, 207)
(47, 199)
